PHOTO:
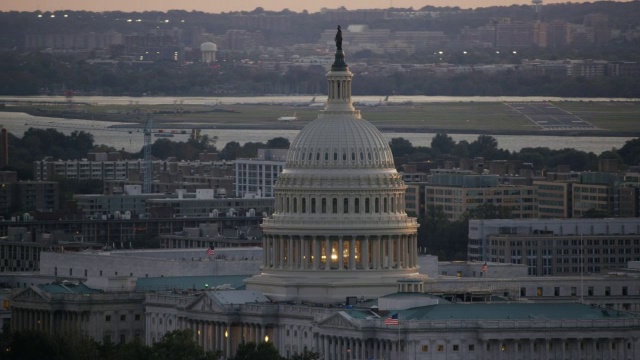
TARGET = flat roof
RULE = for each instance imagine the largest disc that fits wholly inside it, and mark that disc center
(67, 288)
(191, 282)
(513, 311)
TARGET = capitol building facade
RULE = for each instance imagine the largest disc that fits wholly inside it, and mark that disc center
(340, 276)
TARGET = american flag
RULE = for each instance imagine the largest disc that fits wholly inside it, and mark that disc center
(210, 252)
(392, 320)
(484, 267)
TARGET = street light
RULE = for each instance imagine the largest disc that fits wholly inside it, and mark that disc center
(226, 333)
(266, 338)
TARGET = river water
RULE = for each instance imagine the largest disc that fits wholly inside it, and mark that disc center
(132, 140)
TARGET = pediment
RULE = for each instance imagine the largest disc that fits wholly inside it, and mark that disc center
(205, 303)
(339, 320)
(30, 294)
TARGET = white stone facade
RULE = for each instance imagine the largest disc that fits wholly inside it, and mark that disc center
(339, 227)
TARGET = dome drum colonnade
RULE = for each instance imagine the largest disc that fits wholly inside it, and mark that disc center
(339, 218)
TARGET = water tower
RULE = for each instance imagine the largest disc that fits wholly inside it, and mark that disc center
(208, 50)
(537, 4)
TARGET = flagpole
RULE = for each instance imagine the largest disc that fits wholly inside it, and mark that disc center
(398, 345)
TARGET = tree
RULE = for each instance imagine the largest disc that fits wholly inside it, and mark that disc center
(278, 143)
(630, 152)
(262, 351)
(177, 344)
(485, 146)
(231, 151)
(489, 211)
(442, 143)
(401, 147)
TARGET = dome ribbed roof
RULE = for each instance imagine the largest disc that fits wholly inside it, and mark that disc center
(208, 46)
(339, 142)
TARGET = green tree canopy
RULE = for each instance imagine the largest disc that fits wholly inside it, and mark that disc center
(253, 351)
(401, 146)
(278, 143)
(442, 143)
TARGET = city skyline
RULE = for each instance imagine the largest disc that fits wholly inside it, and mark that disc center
(218, 7)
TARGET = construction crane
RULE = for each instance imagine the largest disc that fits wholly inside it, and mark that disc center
(148, 164)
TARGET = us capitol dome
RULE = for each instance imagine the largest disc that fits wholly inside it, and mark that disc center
(339, 227)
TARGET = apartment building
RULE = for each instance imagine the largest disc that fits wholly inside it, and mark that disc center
(256, 177)
(558, 246)
(455, 194)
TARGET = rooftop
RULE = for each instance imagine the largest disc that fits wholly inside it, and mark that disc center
(191, 282)
(502, 311)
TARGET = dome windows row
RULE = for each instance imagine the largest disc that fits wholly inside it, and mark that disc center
(376, 156)
(392, 204)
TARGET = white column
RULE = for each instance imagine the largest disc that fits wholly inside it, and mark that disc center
(280, 252)
(316, 252)
(352, 253)
(265, 252)
(289, 252)
(340, 254)
(364, 253)
(327, 251)
(302, 264)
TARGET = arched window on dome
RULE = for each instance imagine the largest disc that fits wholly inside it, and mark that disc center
(310, 156)
(304, 205)
(345, 206)
(334, 205)
(356, 205)
(376, 202)
(385, 207)
(344, 155)
(353, 156)
(318, 156)
(304, 155)
(287, 206)
(326, 156)
(361, 156)
(335, 156)
(324, 205)
(369, 156)
(366, 206)
(393, 204)
(313, 205)
(295, 205)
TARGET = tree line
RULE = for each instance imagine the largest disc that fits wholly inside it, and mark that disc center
(39, 73)
(542, 158)
(178, 344)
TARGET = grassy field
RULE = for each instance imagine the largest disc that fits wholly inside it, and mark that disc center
(614, 118)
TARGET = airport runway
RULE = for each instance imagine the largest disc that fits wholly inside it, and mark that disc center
(550, 117)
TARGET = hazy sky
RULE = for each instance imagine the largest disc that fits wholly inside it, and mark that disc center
(217, 6)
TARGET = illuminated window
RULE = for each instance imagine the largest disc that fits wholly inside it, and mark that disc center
(440, 348)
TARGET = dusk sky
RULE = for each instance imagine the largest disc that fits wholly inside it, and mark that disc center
(217, 6)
